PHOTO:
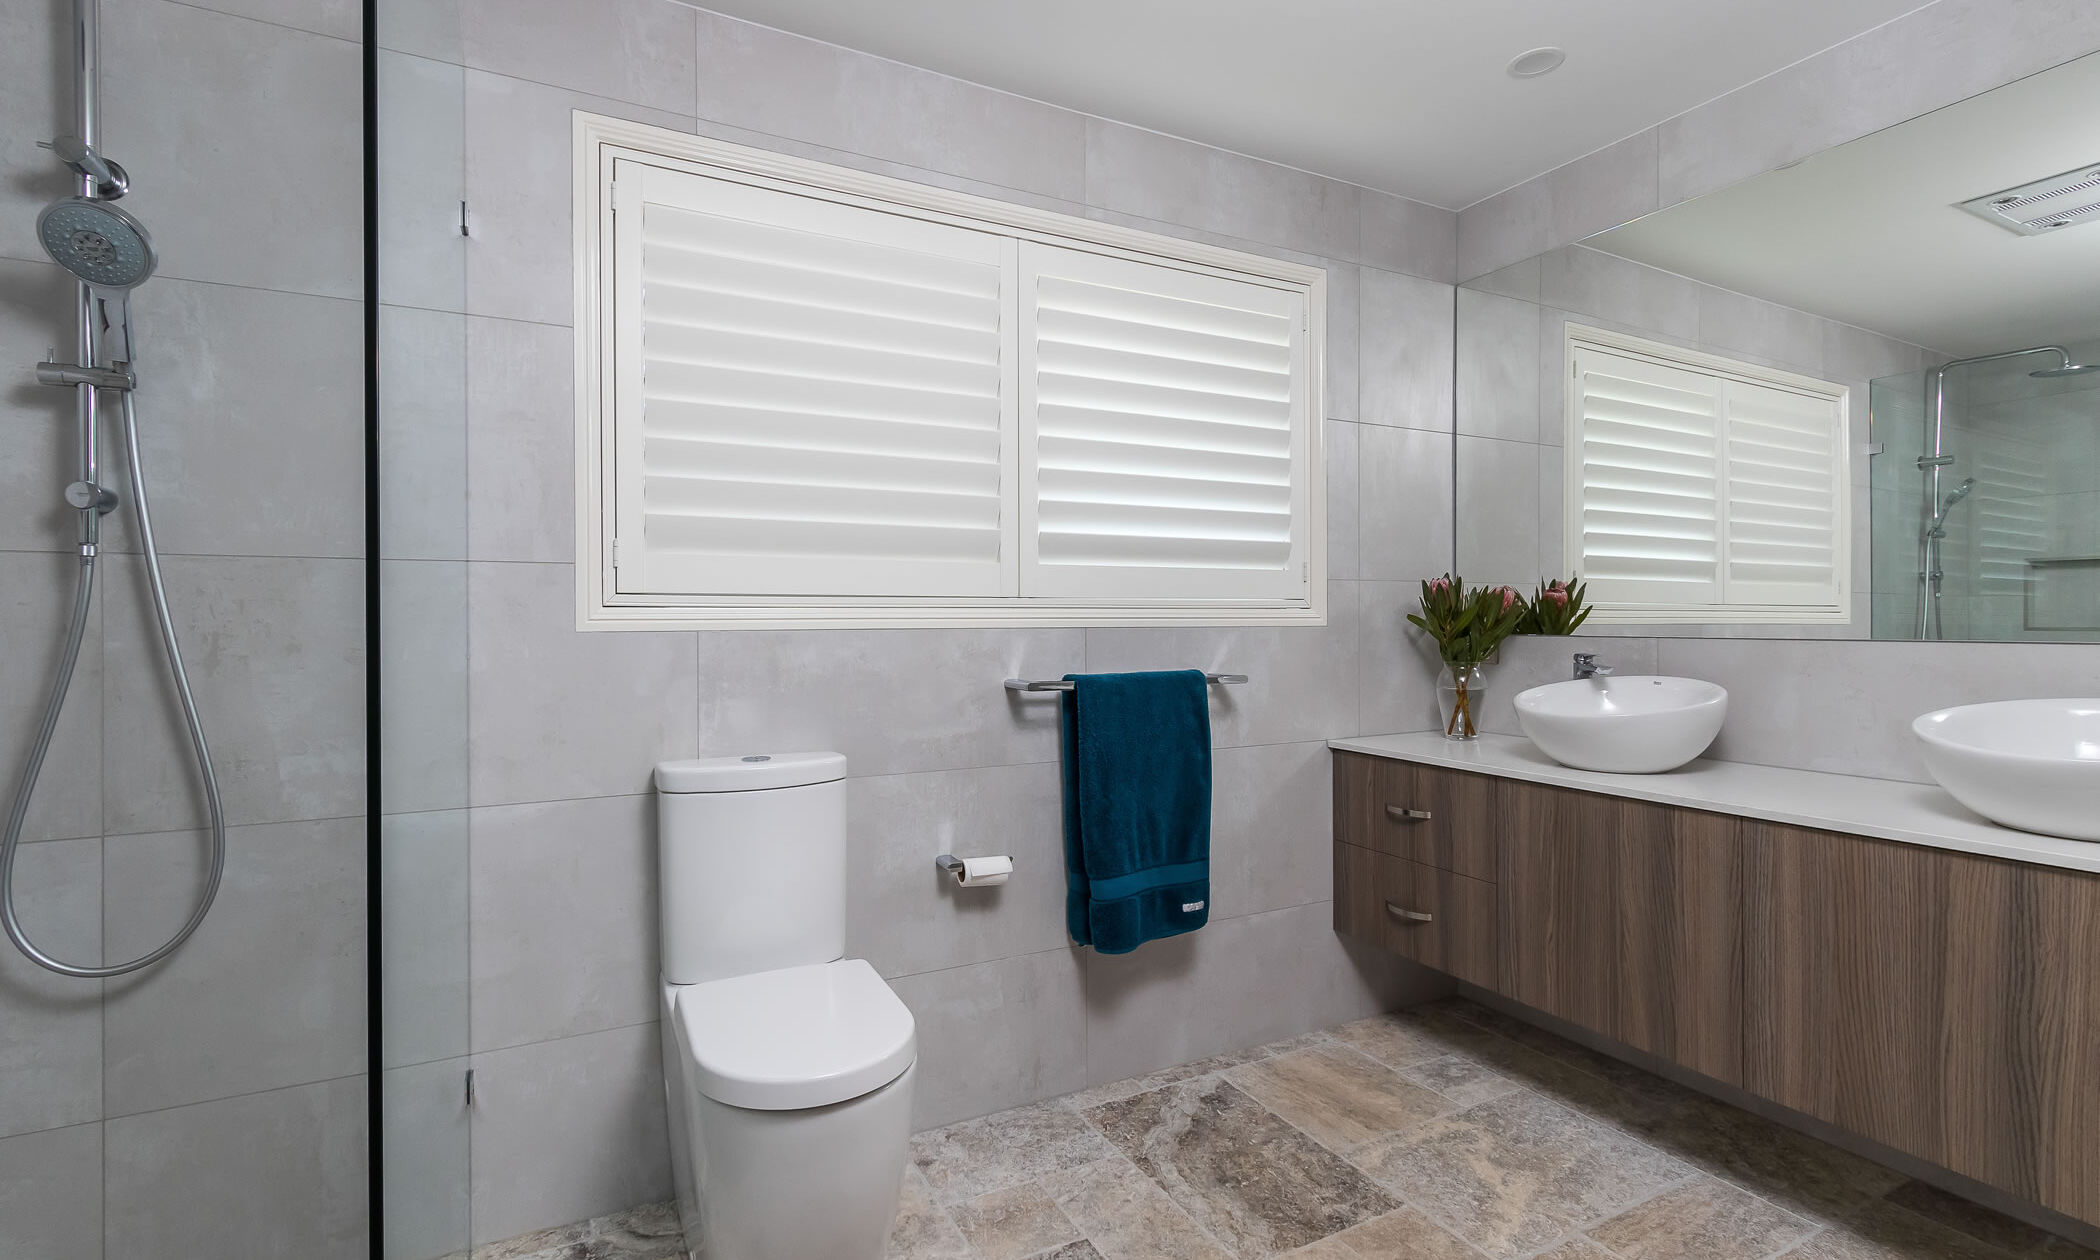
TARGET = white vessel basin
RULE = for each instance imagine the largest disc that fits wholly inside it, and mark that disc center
(1640, 724)
(2031, 764)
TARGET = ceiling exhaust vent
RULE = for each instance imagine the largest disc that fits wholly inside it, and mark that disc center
(2044, 206)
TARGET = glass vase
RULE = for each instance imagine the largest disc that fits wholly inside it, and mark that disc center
(1461, 697)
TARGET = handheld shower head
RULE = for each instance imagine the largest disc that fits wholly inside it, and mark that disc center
(1957, 494)
(112, 253)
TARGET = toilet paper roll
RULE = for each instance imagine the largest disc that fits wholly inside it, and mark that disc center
(981, 872)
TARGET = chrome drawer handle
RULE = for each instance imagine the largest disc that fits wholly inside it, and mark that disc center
(1402, 814)
(1412, 916)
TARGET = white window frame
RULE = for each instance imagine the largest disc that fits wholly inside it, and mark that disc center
(1579, 336)
(600, 141)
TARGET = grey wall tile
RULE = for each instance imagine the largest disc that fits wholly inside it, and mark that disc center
(423, 937)
(554, 713)
(1846, 706)
(36, 97)
(1272, 828)
(423, 684)
(425, 1178)
(1766, 332)
(1301, 681)
(1399, 662)
(422, 28)
(275, 651)
(519, 193)
(627, 50)
(422, 180)
(51, 1194)
(905, 916)
(1343, 517)
(1498, 521)
(271, 989)
(259, 1177)
(1405, 487)
(1517, 280)
(36, 603)
(1160, 177)
(51, 1026)
(1406, 352)
(1403, 235)
(422, 434)
(1608, 287)
(1498, 367)
(1512, 225)
(343, 19)
(36, 310)
(276, 100)
(784, 85)
(564, 937)
(521, 440)
(251, 401)
(1344, 310)
(1238, 982)
(568, 1129)
(1600, 190)
(997, 1034)
(891, 700)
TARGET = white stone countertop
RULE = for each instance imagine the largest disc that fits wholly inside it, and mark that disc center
(1914, 813)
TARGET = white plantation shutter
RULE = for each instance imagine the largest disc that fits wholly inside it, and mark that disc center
(1696, 492)
(811, 397)
(1163, 431)
(1649, 488)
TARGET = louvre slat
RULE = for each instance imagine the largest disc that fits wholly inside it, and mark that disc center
(814, 540)
(671, 421)
(1212, 407)
(711, 239)
(676, 312)
(1075, 328)
(785, 466)
(1062, 486)
(1153, 552)
(1110, 427)
(693, 383)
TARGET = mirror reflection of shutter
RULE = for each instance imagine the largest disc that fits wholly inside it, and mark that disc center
(1785, 499)
(812, 398)
(1646, 481)
(1161, 432)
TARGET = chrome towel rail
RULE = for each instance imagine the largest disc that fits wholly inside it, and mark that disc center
(1059, 684)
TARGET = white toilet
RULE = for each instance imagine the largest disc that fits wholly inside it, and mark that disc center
(787, 1067)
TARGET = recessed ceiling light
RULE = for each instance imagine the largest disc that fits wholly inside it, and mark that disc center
(1538, 61)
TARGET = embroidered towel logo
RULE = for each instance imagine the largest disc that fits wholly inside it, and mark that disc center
(1191, 907)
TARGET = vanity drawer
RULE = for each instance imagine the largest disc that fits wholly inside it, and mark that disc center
(1439, 918)
(1441, 818)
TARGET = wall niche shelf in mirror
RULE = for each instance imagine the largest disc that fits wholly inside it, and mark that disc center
(1973, 487)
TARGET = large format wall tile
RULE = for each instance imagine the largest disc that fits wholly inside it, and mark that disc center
(1402, 235)
(271, 989)
(272, 198)
(258, 1177)
(251, 422)
(1140, 172)
(36, 310)
(343, 19)
(1301, 681)
(423, 937)
(422, 434)
(275, 651)
(564, 936)
(783, 85)
(422, 181)
(1404, 484)
(51, 1026)
(891, 700)
(555, 713)
(423, 684)
(36, 601)
(1498, 367)
(568, 1129)
(1498, 528)
(1271, 828)
(520, 197)
(1344, 339)
(1398, 662)
(998, 1034)
(51, 1194)
(521, 441)
(428, 1157)
(627, 50)
(904, 915)
(1343, 502)
(36, 97)
(1404, 361)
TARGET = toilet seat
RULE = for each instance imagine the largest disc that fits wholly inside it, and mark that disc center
(797, 1037)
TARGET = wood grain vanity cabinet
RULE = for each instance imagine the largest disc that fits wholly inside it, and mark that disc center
(1940, 1003)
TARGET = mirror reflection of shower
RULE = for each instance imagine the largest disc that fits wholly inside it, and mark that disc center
(1939, 504)
(110, 253)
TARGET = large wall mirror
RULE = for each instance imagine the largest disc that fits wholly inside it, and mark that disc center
(1855, 397)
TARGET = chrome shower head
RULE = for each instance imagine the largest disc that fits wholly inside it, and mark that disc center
(112, 253)
(2068, 369)
(1957, 494)
(103, 245)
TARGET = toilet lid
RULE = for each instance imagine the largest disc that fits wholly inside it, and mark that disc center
(797, 1037)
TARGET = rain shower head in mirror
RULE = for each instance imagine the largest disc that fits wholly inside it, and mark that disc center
(1887, 269)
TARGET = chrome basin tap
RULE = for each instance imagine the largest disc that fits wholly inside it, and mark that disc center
(1586, 666)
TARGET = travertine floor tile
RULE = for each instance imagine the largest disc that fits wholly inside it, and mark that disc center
(991, 1153)
(1462, 1080)
(1799, 1173)
(1127, 1216)
(1883, 1231)
(1406, 1235)
(1402, 1038)
(1340, 1097)
(1014, 1223)
(1255, 1183)
(923, 1231)
(1703, 1217)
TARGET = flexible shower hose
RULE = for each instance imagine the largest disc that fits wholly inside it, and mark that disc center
(33, 765)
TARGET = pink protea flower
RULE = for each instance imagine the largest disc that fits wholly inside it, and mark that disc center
(1440, 586)
(1555, 594)
(1509, 597)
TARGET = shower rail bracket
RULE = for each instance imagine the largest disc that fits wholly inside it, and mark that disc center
(70, 374)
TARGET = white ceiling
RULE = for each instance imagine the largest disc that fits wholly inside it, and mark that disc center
(1408, 96)
(1870, 232)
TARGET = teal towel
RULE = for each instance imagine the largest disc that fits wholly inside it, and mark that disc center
(1137, 807)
